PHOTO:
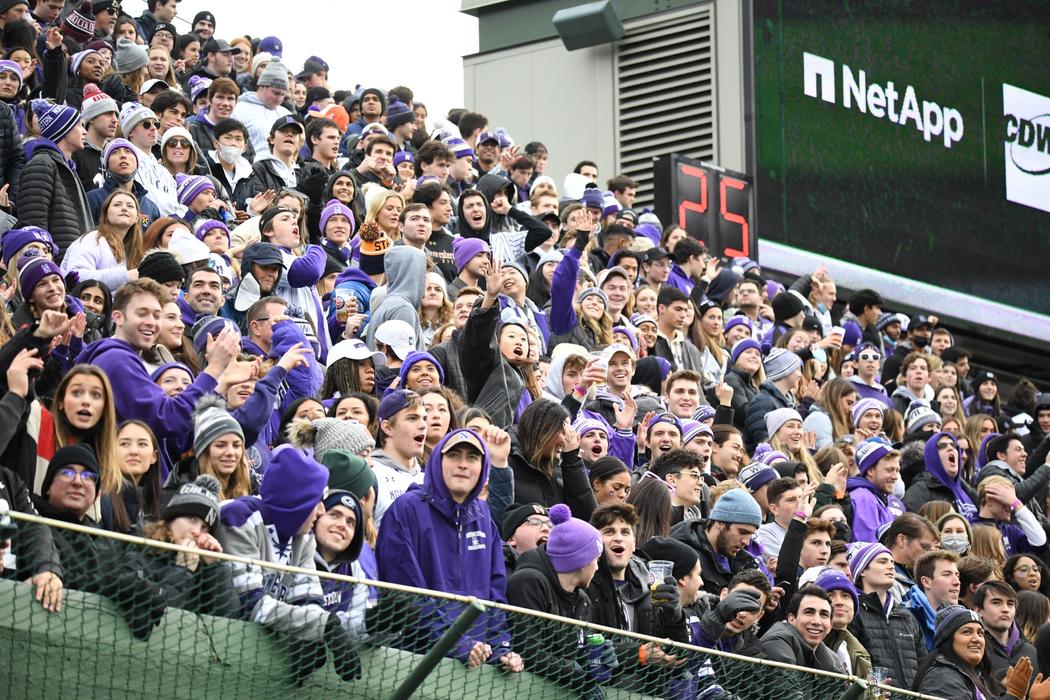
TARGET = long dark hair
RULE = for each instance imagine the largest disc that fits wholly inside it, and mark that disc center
(538, 429)
(342, 378)
(149, 504)
(981, 675)
(652, 502)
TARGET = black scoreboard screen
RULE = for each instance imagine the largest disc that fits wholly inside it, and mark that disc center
(911, 138)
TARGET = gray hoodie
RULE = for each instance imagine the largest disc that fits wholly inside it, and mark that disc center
(392, 481)
(405, 281)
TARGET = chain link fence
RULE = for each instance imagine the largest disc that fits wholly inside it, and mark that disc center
(142, 618)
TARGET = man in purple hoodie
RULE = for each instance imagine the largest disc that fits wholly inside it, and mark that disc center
(440, 536)
(871, 492)
(136, 315)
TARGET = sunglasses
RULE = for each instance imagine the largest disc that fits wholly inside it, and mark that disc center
(846, 440)
(151, 124)
(868, 356)
(179, 143)
(649, 475)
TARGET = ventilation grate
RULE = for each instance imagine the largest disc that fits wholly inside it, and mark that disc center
(665, 92)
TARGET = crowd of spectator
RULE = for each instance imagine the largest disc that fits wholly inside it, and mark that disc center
(248, 312)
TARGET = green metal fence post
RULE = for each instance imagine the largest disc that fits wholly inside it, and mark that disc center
(438, 651)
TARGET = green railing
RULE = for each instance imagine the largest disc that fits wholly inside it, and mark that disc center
(144, 627)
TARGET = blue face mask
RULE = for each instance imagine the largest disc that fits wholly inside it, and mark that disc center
(822, 309)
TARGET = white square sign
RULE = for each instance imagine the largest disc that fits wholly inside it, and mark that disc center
(1026, 144)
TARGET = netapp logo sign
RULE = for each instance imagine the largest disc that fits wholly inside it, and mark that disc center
(1027, 147)
(881, 102)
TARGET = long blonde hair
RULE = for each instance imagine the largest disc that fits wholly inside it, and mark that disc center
(800, 455)
(237, 484)
(376, 197)
(444, 313)
(126, 245)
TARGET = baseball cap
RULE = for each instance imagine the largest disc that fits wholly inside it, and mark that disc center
(286, 121)
(271, 45)
(152, 83)
(393, 403)
(610, 272)
(463, 437)
(214, 45)
(654, 254)
(614, 348)
(355, 349)
(398, 336)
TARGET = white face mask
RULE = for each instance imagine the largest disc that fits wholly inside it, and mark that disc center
(229, 154)
(955, 543)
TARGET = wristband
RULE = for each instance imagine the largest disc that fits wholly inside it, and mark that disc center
(579, 390)
(643, 654)
(1017, 505)
(802, 516)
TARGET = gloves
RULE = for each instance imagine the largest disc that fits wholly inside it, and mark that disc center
(344, 654)
(666, 603)
(142, 605)
(738, 601)
(306, 657)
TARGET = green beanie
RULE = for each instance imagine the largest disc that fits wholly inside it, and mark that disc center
(348, 472)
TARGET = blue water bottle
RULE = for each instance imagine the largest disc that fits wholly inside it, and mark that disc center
(598, 670)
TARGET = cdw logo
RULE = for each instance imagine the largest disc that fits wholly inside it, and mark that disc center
(881, 101)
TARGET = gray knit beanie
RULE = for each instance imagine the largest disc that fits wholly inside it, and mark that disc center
(199, 499)
(274, 75)
(211, 421)
(779, 363)
(129, 56)
(326, 434)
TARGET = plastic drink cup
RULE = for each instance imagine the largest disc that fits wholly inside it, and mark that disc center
(659, 569)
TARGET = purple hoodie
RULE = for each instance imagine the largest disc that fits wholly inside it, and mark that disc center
(871, 508)
(679, 280)
(963, 503)
(136, 396)
(431, 541)
(621, 443)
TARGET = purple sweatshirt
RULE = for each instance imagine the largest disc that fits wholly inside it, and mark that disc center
(136, 396)
(871, 508)
(431, 541)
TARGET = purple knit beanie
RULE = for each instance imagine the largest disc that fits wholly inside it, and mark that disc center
(336, 208)
(33, 272)
(465, 249)
(573, 543)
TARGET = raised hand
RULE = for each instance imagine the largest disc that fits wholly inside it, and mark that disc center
(18, 371)
(724, 393)
(52, 324)
(498, 441)
(572, 440)
(625, 416)
(296, 356)
(1017, 676)
(494, 279)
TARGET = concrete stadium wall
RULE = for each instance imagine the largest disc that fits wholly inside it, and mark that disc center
(87, 651)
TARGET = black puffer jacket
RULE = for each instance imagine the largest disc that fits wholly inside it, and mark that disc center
(447, 353)
(549, 648)
(694, 534)
(12, 157)
(743, 392)
(567, 483)
(491, 382)
(894, 641)
(51, 196)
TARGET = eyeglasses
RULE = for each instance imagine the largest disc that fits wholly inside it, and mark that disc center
(539, 521)
(72, 474)
(179, 143)
(692, 474)
(151, 124)
(869, 356)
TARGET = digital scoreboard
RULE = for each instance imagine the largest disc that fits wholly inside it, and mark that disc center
(711, 204)
(908, 138)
